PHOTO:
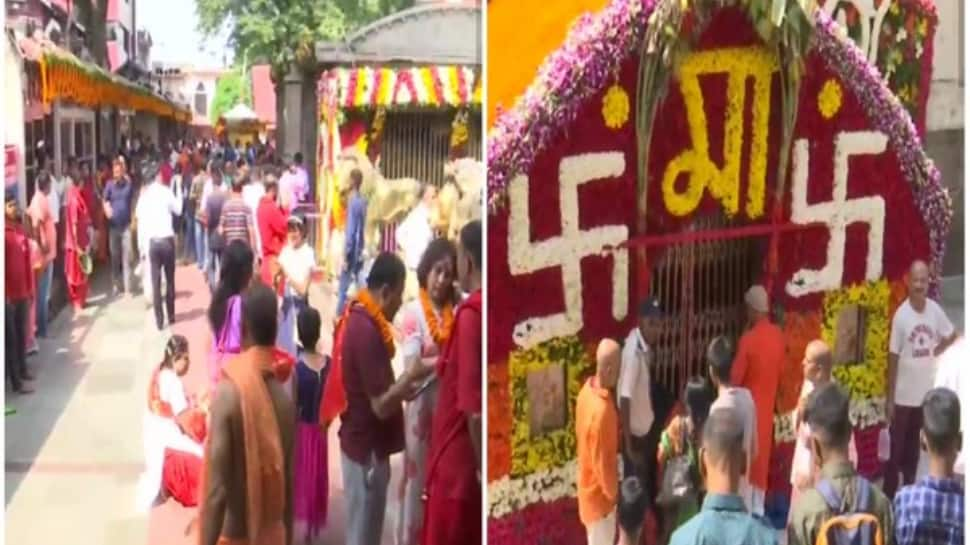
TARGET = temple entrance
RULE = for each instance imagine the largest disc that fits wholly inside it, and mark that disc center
(701, 285)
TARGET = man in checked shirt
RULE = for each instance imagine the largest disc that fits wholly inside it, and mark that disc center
(930, 511)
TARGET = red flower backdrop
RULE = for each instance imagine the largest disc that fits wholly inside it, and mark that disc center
(827, 108)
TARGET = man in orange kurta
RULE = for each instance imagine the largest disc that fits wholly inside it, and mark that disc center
(757, 367)
(597, 444)
(248, 482)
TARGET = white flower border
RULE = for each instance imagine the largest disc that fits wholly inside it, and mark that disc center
(566, 250)
(838, 213)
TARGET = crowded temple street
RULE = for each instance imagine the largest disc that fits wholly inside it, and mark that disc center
(79, 455)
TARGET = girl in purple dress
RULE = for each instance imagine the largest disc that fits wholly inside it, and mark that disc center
(310, 485)
(225, 310)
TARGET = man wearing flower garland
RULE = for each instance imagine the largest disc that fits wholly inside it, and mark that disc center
(757, 367)
(372, 418)
(921, 331)
(454, 490)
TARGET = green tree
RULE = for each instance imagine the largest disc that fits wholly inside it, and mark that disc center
(92, 15)
(284, 33)
(231, 89)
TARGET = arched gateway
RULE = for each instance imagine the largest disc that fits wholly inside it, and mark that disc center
(790, 164)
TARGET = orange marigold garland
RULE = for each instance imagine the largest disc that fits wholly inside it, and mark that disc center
(440, 331)
(499, 422)
(374, 311)
(800, 329)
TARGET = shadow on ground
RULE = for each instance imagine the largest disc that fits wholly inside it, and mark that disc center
(66, 336)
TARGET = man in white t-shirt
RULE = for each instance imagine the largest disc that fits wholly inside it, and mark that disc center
(920, 332)
(636, 404)
(951, 373)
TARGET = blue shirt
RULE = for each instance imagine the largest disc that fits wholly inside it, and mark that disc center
(930, 512)
(723, 520)
(119, 197)
(354, 239)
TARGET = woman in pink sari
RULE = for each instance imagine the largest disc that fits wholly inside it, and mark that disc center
(225, 310)
(76, 243)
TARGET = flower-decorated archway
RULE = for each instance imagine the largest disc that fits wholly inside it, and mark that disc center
(575, 226)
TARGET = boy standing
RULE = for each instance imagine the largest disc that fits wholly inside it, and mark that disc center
(827, 415)
(930, 512)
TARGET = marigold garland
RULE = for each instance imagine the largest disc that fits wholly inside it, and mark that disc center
(499, 421)
(374, 311)
(865, 379)
(440, 330)
(388, 87)
(554, 449)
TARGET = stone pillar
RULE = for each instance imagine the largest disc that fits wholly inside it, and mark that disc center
(289, 129)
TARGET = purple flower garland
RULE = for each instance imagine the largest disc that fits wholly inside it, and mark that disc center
(592, 53)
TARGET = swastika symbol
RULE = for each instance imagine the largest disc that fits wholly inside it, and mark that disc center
(567, 250)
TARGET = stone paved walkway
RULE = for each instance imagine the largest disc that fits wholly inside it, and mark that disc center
(74, 448)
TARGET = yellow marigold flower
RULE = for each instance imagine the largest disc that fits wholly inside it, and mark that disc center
(616, 107)
(830, 99)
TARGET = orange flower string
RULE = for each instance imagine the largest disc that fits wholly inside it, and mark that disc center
(440, 331)
(374, 311)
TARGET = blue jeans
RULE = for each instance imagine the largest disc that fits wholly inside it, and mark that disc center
(347, 276)
(43, 298)
(201, 243)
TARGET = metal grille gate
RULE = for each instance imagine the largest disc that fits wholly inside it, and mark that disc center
(701, 287)
(416, 144)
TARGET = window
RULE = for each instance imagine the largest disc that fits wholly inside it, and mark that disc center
(201, 100)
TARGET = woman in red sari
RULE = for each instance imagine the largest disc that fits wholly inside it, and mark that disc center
(76, 243)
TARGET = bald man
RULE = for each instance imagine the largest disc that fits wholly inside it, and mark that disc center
(921, 331)
(597, 443)
(817, 370)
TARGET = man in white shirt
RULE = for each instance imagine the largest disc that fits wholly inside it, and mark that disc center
(921, 331)
(156, 206)
(640, 419)
(720, 358)
(951, 373)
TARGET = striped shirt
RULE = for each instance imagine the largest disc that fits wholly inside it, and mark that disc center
(236, 221)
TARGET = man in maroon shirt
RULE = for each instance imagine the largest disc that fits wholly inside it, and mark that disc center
(271, 222)
(17, 275)
(454, 511)
(372, 424)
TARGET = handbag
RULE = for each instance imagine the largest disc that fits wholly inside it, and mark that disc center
(680, 478)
